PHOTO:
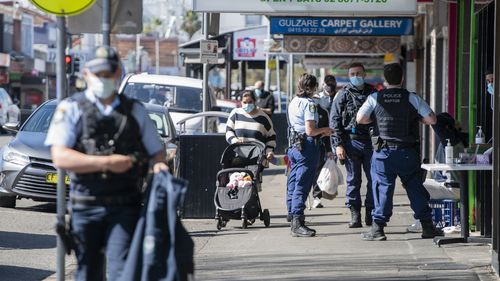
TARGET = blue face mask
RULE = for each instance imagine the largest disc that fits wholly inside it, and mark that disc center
(248, 107)
(357, 81)
(490, 88)
(258, 92)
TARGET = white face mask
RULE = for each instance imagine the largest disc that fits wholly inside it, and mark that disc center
(102, 88)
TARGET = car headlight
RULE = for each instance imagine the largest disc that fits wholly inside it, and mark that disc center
(15, 157)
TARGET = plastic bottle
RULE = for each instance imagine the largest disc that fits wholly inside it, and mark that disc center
(479, 136)
(448, 153)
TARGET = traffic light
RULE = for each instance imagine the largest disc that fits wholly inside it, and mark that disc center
(69, 64)
(76, 65)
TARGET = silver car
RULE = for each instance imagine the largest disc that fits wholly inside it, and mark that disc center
(26, 169)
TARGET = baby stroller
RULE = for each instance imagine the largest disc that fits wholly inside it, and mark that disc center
(240, 201)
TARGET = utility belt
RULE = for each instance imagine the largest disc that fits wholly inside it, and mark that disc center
(85, 201)
(298, 140)
(379, 143)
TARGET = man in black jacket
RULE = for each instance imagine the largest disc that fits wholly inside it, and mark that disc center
(265, 100)
(352, 141)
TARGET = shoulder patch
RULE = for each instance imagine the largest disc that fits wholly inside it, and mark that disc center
(312, 108)
(59, 115)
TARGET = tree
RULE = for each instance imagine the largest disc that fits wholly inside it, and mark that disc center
(191, 24)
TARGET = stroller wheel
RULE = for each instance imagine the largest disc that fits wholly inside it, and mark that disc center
(224, 222)
(220, 224)
(244, 223)
(267, 217)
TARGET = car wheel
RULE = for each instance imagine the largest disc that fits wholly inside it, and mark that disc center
(8, 201)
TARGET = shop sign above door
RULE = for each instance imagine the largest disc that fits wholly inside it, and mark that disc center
(341, 26)
(309, 7)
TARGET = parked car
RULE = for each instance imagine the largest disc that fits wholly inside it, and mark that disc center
(26, 168)
(9, 111)
(181, 95)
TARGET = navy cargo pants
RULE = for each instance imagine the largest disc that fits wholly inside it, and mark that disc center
(359, 154)
(387, 164)
(102, 232)
(300, 179)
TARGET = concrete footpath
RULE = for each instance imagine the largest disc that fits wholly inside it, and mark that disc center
(336, 253)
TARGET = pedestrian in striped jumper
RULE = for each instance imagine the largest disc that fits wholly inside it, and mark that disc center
(250, 123)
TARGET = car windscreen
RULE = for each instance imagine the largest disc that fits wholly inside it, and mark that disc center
(161, 124)
(177, 98)
(40, 121)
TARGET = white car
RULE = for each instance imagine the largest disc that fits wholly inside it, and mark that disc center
(9, 112)
(182, 96)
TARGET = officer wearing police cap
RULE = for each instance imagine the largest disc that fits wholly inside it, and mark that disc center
(105, 141)
(397, 113)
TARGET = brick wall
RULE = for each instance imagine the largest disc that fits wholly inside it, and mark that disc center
(168, 49)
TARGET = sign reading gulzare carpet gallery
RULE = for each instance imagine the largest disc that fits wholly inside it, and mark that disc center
(341, 26)
(331, 7)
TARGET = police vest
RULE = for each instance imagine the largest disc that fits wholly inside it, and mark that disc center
(354, 99)
(117, 133)
(397, 119)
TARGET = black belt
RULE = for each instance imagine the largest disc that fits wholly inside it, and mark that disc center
(359, 137)
(106, 200)
(398, 144)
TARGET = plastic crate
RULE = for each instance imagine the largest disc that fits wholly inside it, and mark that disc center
(445, 212)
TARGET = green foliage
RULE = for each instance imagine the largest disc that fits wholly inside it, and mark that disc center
(191, 23)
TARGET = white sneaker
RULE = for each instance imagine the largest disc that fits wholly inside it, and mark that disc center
(317, 203)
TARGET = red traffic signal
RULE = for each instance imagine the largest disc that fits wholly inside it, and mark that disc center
(69, 64)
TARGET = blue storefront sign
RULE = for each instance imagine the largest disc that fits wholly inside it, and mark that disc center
(341, 26)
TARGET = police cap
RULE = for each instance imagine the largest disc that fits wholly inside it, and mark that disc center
(105, 59)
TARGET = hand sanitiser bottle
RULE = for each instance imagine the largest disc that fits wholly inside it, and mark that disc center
(448, 153)
(479, 136)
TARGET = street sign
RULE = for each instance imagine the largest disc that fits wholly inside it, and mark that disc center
(63, 7)
(126, 18)
(309, 7)
(341, 26)
(209, 51)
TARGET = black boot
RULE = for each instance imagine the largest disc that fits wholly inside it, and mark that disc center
(303, 223)
(368, 216)
(355, 217)
(298, 230)
(376, 233)
(429, 230)
(289, 218)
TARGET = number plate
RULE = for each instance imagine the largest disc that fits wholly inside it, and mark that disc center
(52, 178)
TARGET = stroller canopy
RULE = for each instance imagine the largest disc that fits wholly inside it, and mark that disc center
(240, 155)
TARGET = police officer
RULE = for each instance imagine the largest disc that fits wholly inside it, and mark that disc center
(352, 141)
(102, 139)
(303, 153)
(396, 113)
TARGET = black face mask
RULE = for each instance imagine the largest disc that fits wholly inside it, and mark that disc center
(329, 88)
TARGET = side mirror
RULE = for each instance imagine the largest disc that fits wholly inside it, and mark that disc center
(12, 127)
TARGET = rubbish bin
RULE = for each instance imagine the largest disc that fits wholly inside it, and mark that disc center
(199, 163)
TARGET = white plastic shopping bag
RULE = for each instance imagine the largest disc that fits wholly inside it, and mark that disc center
(329, 179)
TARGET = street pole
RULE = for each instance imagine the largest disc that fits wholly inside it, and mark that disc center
(61, 174)
(137, 53)
(496, 140)
(278, 81)
(206, 96)
(157, 52)
(106, 22)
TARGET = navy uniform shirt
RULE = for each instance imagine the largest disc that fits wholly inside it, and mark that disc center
(62, 129)
(301, 110)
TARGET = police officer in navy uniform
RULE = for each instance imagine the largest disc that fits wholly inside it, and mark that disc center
(105, 141)
(303, 152)
(352, 141)
(397, 113)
